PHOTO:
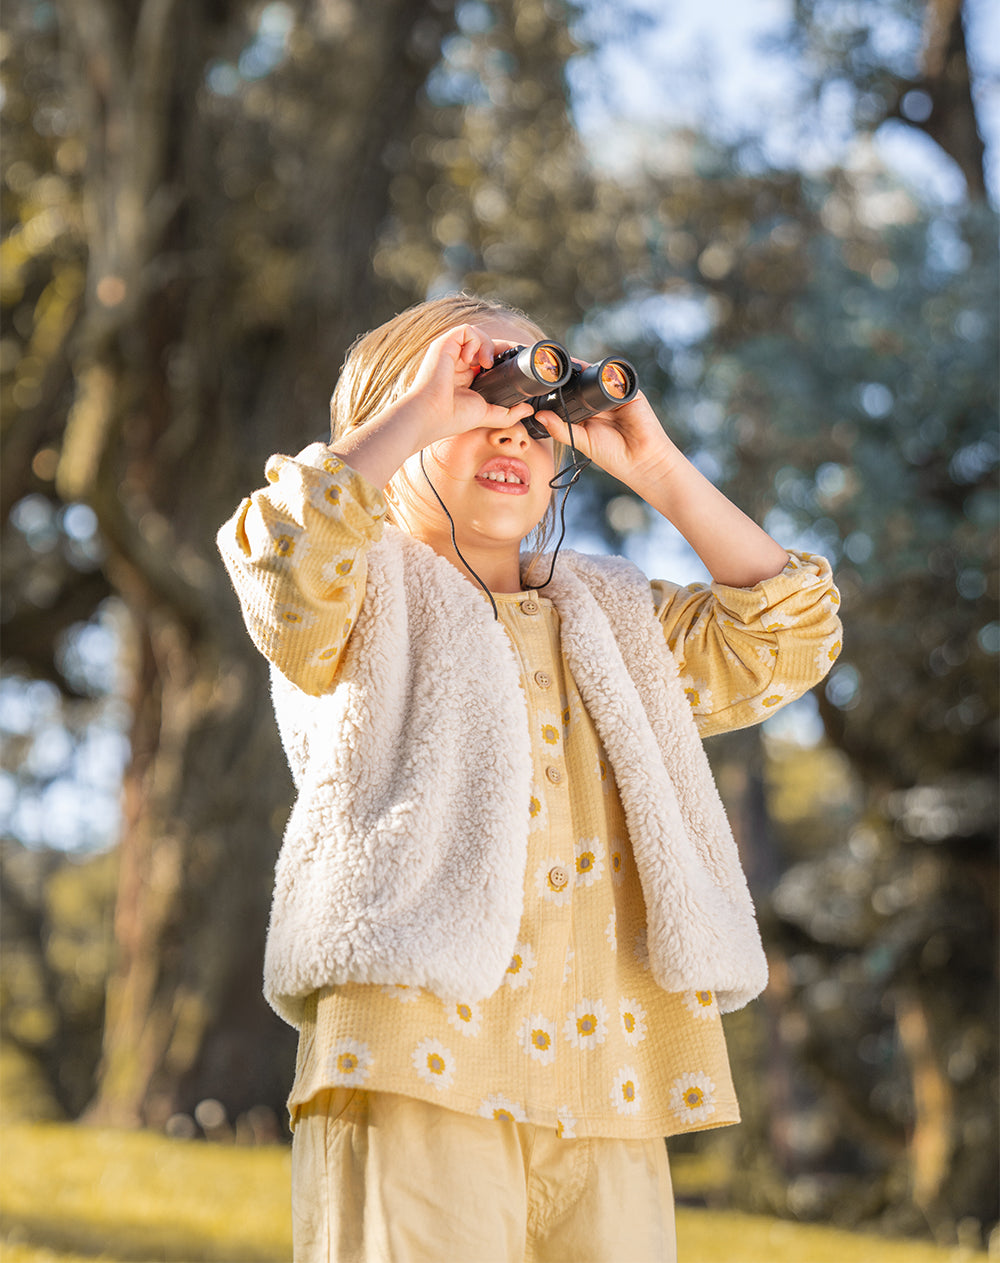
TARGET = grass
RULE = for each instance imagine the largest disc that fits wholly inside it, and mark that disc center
(79, 1192)
(72, 1194)
(728, 1237)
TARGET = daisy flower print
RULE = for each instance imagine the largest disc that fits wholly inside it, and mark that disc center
(328, 653)
(521, 967)
(624, 1092)
(337, 570)
(692, 1098)
(565, 1124)
(502, 1109)
(434, 1064)
(587, 1025)
(773, 699)
(537, 1038)
(589, 865)
(349, 1062)
(701, 1004)
(466, 1018)
(550, 731)
(538, 815)
(633, 1019)
(294, 616)
(288, 541)
(698, 694)
(617, 862)
(326, 496)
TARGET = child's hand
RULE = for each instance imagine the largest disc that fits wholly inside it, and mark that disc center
(628, 442)
(443, 381)
(436, 406)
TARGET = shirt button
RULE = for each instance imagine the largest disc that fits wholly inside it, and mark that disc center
(529, 606)
(543, 679)
(558, 878)
(554, 775)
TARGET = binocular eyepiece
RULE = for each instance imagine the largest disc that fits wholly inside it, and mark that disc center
(544, 374)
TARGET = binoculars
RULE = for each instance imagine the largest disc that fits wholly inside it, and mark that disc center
(544, 374)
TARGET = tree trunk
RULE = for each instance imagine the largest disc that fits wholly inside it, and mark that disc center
(229, 242)
(205, 793)
(931, 1142)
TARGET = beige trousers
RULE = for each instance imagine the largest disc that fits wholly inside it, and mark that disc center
(380, 1178)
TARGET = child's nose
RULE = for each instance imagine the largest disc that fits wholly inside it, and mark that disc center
(515, 434)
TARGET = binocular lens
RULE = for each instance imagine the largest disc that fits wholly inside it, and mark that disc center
(547, 363)
(614, 380)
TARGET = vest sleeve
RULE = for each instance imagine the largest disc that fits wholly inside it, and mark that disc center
(743, 653)
(296, 553)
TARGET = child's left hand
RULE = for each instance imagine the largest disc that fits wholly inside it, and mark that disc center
(627, 442)
(630, 444)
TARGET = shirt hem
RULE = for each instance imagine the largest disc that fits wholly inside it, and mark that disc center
(649, 1127)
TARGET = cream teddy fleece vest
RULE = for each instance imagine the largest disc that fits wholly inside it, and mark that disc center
(403, 859)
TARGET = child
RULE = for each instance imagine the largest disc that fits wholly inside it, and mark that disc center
(508, 909)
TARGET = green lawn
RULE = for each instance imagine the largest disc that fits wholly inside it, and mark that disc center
(73, 1194)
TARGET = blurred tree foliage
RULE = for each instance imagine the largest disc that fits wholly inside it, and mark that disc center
(847, 391)
(202, 205)
(56, 939)
(192, 203)
(880, 402)
(903, 59)
(186, 255)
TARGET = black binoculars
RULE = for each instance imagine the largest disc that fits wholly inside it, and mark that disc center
(545, 375)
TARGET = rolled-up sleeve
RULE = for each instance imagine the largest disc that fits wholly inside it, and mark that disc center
(743, 653)
(296, 553)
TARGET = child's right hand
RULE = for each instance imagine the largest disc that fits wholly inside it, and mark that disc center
(436, 406)
(442, 386)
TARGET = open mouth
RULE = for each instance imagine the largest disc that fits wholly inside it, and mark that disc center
(511, 477)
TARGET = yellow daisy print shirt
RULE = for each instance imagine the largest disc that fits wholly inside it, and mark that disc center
(579, 1038)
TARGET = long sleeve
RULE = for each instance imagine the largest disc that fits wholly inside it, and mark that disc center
(744, 652)
(296, 553)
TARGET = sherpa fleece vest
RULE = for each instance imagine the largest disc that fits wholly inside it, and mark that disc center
(403, 859)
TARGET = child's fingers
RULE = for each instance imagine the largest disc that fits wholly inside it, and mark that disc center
(464, 346)
(560, 431)
(474, 347)
(518, 411)
(555, 425)
(500, 418)
(477, 347)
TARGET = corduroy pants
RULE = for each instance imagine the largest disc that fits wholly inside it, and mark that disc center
(381, 1178)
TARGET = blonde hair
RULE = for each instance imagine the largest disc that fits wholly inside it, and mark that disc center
(382, 364)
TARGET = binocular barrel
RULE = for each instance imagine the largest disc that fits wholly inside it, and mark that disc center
(524, 373)
(545, 374)
(600, 387)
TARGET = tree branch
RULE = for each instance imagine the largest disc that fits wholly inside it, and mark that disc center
(944, 77)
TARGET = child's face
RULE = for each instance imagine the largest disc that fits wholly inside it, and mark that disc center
(495, 483)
